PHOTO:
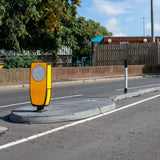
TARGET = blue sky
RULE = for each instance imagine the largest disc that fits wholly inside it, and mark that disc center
(122, 17)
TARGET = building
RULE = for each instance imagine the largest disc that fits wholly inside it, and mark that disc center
(113, 50)
(122, 40)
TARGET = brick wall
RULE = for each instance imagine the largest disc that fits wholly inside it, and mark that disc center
(63, 73)
(14, 75)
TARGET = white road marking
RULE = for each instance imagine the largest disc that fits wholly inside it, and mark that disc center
(17, 104)
(72, 124)
(152, 85)
(65, 97)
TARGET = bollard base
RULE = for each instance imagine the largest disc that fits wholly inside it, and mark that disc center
(125, 90)
(40, 108)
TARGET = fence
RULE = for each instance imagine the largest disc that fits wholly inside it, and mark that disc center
(135, 53)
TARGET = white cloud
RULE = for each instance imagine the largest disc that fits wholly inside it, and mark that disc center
(156, 27)
(157, 2)
(127, 15)
(113, 25)
(108, 7)
(119, 35)
(130, 19)
(148, 26)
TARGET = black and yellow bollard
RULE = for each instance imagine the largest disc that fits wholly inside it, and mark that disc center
(40, 84)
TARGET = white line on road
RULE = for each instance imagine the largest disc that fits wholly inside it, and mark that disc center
(151, 85)
(17, 104)
(72, 124)
(65, 97)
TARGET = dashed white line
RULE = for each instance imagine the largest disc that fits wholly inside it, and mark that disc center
(22, 103)
(72, 124)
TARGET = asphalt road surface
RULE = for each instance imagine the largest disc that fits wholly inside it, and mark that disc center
(99, 89)
(131, 132)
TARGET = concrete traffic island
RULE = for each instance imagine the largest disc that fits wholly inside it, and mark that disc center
(72, 109)
(63, 110)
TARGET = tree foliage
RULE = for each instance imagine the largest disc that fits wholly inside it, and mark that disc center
(46, 25)
(19, 61)
(15, 15)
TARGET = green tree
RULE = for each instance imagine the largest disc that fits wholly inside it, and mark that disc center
(46, 25)
(34, 24)
(79, 33)
(15, 15)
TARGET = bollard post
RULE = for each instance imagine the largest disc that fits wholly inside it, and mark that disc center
(40, 84)
(125, 76)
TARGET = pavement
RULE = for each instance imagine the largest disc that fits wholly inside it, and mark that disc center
(75, 108)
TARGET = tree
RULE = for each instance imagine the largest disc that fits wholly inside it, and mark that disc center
(46, 25)
(34, 24)
(82, 33)
(15, 15)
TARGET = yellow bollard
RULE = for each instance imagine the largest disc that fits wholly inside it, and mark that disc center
(40, 84)
(49, 84)
(1, 66)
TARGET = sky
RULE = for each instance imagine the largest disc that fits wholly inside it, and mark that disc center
(123, 17)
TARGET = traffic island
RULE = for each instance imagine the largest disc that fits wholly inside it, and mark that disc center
(63, 110)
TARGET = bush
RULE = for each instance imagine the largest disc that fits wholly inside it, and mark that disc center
(19, 61)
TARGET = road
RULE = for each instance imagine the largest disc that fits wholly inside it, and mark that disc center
(131, 132)
(102, 89)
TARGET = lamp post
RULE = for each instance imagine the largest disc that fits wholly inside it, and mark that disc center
(144, 26)
(152, 22)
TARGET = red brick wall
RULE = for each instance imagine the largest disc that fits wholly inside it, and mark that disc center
(63, 73)
(14, 75)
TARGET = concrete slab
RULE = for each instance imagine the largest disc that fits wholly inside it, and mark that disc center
(63, 110)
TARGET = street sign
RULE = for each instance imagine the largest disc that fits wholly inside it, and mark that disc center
(40, 84)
